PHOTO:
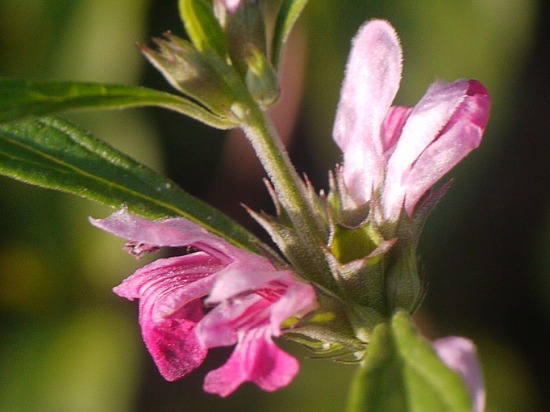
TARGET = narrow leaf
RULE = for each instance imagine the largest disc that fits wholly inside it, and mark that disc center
(52, 153)
(288, 14)
(22, 98)
(403, 373)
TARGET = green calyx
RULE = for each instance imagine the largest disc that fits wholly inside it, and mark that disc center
(194, 74)
(352, 244)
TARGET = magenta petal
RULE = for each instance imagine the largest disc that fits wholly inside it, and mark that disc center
(173, 345)
(169, 292)
(460, 355)
(246, 298)
(372, 79)
(393, 126)
(167, 285)
(255, 359)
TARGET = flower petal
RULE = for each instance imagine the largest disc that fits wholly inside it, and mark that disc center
(231, 5)
(169, 292)
(173, 232)
(267, 301)
(234, 282)
(173, 345)
(222, 325)
(393, 126)
(298, 300)
(372, 79)
(255, 359)
(461, 135)
(250, 299)
(440, 131)
(169, 284)
(460, 355)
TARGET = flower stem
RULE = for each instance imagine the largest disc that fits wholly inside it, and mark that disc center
(291, 192)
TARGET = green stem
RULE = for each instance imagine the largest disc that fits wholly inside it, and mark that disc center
(290, 190)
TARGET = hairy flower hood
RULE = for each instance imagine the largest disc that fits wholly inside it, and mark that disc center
(217, 295)
(398, 153)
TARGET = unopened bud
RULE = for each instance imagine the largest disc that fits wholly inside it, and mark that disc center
(405, 287)
(262, 81)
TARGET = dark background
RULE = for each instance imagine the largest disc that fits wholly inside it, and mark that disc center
(67, 343)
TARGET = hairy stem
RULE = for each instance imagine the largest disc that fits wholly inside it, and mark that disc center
(291, 192)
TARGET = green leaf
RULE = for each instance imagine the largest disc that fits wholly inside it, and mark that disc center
(402, 372)
(202, 26)
(52, 153)
(288, 14)
(23, 98)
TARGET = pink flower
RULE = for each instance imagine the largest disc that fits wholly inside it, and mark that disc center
(247, 299)
(398, 153)
(231, 5)
(459, 354)
(251, 307)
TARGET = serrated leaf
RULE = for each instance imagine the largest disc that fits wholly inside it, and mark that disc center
(24, 98)
(402, 373)
(54, 154)
(288, 14)
(202, 27)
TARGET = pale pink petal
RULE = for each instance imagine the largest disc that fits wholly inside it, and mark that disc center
(461, 135)
(372, 79)
(173, 232)
(228, 320)
(299, 299)
(231, 5)
(232, 282)
(260, 309)
(460, 355)
(420, 160)
(430, 115)
(272, 298)
(255, 359)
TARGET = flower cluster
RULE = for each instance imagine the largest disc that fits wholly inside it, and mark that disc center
(394, 153)
(217, 294)
(393, 156)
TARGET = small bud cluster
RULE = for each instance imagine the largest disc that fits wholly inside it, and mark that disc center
(225, 65)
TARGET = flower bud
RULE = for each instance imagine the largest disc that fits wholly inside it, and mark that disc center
(261, 80)
(245, 32)
(244, 24)
(405, 286)
(187, 70)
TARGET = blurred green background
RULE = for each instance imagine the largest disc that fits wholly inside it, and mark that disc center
(67, 343)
